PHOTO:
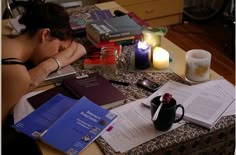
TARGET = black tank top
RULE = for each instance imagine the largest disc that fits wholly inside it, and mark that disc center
(12, 61)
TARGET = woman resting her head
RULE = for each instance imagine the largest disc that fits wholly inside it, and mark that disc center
(46, 43)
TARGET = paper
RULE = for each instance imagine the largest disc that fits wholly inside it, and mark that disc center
(133, 127)
(23, 108)
(229, 91)
(204, 103)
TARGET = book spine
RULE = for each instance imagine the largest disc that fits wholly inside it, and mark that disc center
(118, 35)
(104, 37)
(100, 33)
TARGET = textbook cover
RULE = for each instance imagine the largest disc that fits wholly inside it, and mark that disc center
(66, 124)
(113, 28)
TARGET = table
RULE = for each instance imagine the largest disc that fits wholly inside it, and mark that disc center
(187, 139)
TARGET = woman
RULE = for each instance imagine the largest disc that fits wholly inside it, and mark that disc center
(46, 43)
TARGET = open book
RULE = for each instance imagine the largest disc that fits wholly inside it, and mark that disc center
(204, 103)
(66, 124)
(58, 76)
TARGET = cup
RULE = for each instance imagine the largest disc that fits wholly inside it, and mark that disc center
(167, 114)
(198, 63)
(111, 62)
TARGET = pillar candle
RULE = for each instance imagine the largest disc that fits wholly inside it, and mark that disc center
(142, 55)
(198, 62)
(160, 58)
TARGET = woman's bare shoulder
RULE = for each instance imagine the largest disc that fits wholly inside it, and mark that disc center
(15, 74)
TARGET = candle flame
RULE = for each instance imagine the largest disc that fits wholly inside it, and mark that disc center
(142, 45)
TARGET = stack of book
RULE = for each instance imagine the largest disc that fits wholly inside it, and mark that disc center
(78, 21)
(117, 30)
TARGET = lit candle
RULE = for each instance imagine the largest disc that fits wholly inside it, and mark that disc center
(142, 55)
(160, 58)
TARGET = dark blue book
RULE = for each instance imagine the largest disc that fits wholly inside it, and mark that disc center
(67, 124)
(113, 28)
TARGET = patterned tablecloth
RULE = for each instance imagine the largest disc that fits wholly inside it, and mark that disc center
(187, 139)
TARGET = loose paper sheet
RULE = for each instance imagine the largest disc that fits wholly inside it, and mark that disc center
(133, 127)
(23, 107)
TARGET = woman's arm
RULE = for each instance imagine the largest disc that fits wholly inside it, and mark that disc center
(71, 54)
(65, 57)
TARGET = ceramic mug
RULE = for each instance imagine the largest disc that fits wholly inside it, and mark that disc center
(167, 114)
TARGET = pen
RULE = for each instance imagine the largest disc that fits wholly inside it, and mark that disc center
(119, 82)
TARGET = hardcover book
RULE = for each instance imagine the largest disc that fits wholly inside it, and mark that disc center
(128, 40)
(113, 28)
(66, 124)
(78, 21)
(95, 87)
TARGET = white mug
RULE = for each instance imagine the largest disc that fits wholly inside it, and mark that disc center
(198, 64)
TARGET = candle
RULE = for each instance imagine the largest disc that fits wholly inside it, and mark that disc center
(198, 63)
(152, 38)
(142, 55)
(160, 58)
(153, 35)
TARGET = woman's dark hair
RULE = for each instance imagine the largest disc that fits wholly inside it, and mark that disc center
(46, 15)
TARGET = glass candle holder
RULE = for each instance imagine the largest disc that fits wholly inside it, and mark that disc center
(142, 55)
(152, 38)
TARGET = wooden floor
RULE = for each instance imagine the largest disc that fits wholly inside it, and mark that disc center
(212, 36)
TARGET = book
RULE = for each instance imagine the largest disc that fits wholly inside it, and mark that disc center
(128, 40)
(137, 19)
(204, 103)
(113, 28)
(39, 99)
(59, 75)
(94, 86)
(78, 21)
(66, 124)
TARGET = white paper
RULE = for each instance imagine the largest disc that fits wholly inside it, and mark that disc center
(229, 91)
(204, 103)
(133, 127)
(23, 107)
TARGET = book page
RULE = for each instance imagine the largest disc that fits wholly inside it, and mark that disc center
(133, 127)
(204, 104)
